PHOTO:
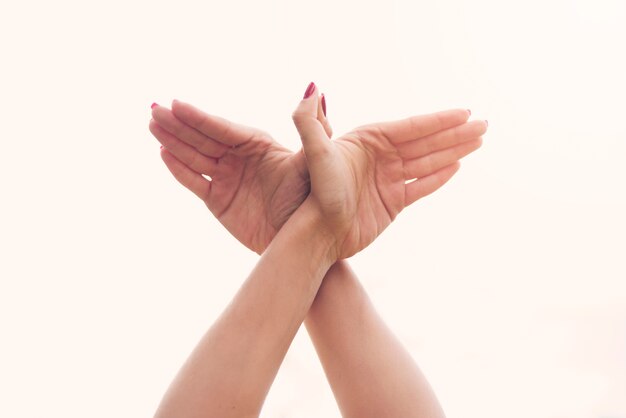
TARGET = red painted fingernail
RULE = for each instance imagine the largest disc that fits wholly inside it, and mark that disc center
(469, 111)
(153, 105)
(324, 104)
(309, 90)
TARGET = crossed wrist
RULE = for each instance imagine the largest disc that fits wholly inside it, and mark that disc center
(315, 230)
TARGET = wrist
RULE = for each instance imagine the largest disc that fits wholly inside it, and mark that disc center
(313, 228)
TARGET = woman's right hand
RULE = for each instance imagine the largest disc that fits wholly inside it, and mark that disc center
(359, 181)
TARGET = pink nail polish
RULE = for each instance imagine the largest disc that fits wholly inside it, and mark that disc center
(324, 104)
(309, 90)
(162, 147)
(153, 105)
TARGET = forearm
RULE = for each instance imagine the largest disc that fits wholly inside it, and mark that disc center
(230, 371)
(370, 372)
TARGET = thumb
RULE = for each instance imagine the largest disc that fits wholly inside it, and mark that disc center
(321, 116)
(315, 141)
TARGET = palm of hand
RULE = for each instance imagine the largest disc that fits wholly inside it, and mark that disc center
(256, 188)
(365, 190)
(256, 184)
(361, 182)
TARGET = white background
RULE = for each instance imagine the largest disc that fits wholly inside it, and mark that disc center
(507, 285)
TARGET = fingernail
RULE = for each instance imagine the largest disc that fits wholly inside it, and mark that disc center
(324, 104)
(487, 122)
(309, 90)
(161, 146)
(153, 105)
(469, 111)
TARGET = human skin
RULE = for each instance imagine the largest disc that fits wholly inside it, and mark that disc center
(370, 372)
(232, 368)
(257, 183)
(339, 342)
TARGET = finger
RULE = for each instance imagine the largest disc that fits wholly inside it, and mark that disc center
(186, 154)
(421, 167)
(321, 116)
(416, 127)
(166, 119)
(218, 129)
(426, 185)
(442, 139)
(186, 176)
(315, 142)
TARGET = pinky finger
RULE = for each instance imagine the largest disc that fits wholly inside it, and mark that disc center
(428, 184)
(192, 180)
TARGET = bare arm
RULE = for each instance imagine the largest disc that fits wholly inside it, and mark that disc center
(232, 368)
(370, 372)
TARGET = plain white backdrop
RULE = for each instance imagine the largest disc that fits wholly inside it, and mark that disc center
(507, 285)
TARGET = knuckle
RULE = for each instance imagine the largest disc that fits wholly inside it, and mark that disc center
(296, 115)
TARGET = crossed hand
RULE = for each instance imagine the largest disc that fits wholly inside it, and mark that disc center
(305, 211)
(358, 183)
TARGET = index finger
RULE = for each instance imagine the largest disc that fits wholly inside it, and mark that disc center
(416, 127)
(215, 127)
